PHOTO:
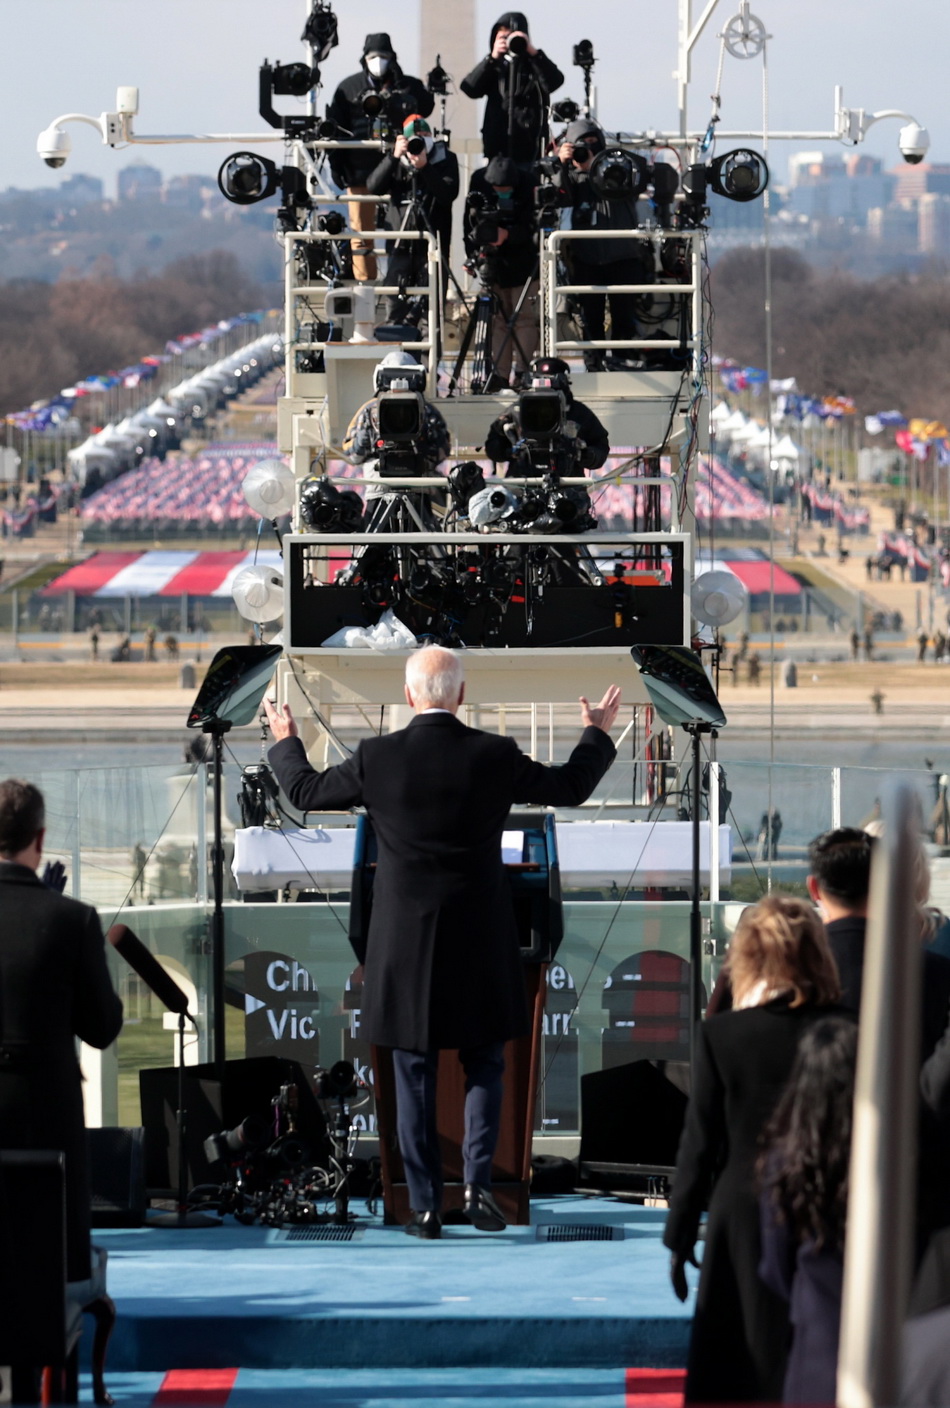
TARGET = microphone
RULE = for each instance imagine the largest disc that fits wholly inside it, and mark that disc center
(149, 969)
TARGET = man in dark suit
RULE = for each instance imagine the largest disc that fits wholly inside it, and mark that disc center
(443, 968)
(54, 987)
(839, 882)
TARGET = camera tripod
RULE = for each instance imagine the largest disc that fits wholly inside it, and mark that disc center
(478, 331)
(394, 511)
(416, 217)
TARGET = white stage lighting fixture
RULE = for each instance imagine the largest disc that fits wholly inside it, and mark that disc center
(717, 597)
(269, 489)
(258, 593)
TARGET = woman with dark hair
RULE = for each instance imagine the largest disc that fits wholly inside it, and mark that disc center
(804, 1202)
(783, 980)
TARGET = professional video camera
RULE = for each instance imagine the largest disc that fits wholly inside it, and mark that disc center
(326, 509)
(547, 508)
(541, 435)
(275, 1176)
(485, 219)
(400, 418)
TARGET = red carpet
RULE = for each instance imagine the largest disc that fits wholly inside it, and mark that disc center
(655, 1388)
(199, 1388)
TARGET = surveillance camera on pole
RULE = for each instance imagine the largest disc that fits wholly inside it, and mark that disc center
(914, 143)
(54, 146)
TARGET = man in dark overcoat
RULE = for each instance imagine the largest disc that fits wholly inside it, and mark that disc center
(54, 987)
(442, 966)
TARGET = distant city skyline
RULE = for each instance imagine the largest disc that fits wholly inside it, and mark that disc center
(196, 68)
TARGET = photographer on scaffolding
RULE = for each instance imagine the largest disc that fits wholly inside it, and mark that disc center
(594, 205)
(421, 177)
(501, 242)
(516, 79)
(376, 101)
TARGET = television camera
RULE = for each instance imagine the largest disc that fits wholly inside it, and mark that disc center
(543, 438)
(275, 1176)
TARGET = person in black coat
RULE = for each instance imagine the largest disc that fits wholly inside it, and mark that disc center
(601, 261)
(443, 967)
(421, 186)
(804, 1202)
(54, 987)
(501, 241)
(400, 94)
(586, 434)
(783, 981)
(516, 80)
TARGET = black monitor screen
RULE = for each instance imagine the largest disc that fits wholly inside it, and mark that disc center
(235, 684)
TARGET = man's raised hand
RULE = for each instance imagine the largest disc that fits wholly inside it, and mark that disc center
(603, 714)
(281, 720)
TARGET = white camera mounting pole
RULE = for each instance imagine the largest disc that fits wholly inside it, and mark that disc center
(115, 128)
(689, 35)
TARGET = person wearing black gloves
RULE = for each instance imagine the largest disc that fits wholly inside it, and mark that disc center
(516, 79)
(501, 241)
(421, 178)
(606, 261)
(590, 443)
(401, 94)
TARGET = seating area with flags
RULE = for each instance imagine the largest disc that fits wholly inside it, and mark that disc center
(187, 496)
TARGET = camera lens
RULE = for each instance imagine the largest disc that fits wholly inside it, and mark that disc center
(332, 222)
(517, 44)
(416, 146)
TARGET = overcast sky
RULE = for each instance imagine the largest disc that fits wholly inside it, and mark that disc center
(195, 63)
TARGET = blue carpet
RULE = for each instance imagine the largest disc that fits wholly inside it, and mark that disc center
(243, 1297)
(396, 1388)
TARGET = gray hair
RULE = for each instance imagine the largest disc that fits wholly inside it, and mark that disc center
(435, 676)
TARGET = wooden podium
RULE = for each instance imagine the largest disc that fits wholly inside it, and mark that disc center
(535, 882)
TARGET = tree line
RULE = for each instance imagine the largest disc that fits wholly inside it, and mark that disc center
(886, 341)
(53, 335)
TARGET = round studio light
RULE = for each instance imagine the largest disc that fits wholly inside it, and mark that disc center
(740, 175)
(269, 488)
(717, 597)
(258, 593)
(245, 178)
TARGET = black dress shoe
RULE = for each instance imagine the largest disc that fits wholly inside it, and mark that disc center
(427, 1225)
(481, 1209)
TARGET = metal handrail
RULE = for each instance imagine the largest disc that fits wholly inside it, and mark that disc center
(294, 291)
(550, 289)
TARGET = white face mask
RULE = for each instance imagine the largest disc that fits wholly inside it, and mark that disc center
(378, 64)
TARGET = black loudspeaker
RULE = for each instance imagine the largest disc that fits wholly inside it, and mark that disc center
(631, 1121)
(249, 1088)
(117, 1176)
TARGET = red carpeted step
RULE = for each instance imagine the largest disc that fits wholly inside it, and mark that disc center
(654, 1388)
(198, 1388)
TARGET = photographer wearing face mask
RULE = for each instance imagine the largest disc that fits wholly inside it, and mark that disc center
(516, 80)
(379, 76)
(501, 241)
(606, 261)
(421, 178)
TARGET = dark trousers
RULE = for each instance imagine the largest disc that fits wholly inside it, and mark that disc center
(416, 1073)
(623, 306)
